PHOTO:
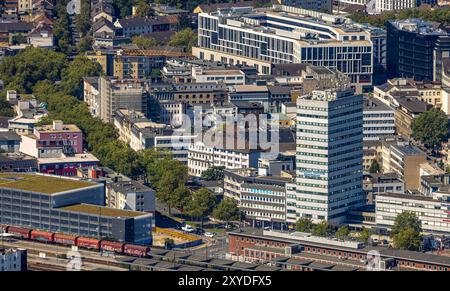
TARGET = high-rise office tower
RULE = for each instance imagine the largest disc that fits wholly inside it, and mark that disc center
(329, 154)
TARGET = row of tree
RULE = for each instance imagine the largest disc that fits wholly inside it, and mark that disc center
(185, 38)
(437, 15)
(405, 234)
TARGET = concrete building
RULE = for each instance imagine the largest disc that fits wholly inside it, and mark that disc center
(139, 25)
(410, 48)
(374, 184)
(405, 162)
(172, 113)
(432, 211)
(378, 120)
(274, 167)
(201, 157)
(68, 205)
(91, 95)
(426, 91)
(329, 155)
(9, 142)
(261, 198)
(13, 260)
(226, 76)
(317, 5)
(120, 94)
(285, 35)
(53, 140)
(130, 195)
(408, 109)
(199, 93)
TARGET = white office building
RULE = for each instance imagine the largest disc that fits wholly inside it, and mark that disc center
(201, 157)
(283, 35)
(378, 120)
(329, 154)
(432, 211)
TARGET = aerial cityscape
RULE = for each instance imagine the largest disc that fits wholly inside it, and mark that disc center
(224, 135)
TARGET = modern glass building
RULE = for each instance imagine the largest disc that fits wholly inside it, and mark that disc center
(285, 35)
(411, 45)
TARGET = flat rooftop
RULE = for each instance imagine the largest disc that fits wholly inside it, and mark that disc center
(41, 183)
(101, 210)
(65, 128)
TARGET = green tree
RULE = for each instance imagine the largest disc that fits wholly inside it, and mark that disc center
(227, 210)
(30, 66)
(322, 229)
(364, 235)
(430, 127)
(72, 75)
(201, 204)
(166, 190)
(185, 38)
(407, 239)
(144, 42)
(61, 28)
(437, 15)
(342, 232)
(122, 8)
(83, 19)
(304, 224)
(213, 174)
(144, 9)
(406, 232)
(85, 44)
(374, 167)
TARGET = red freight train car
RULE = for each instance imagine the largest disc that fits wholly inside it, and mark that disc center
(43, 236)
(88, 243)
(111, 246)
(19, 231)
(65, 239)
(134, 250)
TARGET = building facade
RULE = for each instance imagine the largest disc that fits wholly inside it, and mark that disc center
(70, 206)
(329, 154)
(410, 48)
(260, 39)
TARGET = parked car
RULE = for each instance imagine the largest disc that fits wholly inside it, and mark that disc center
(188, 228)
(209, 234)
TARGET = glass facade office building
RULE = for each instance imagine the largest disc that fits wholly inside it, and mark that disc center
(273, 37)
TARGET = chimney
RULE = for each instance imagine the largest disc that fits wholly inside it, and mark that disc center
(57, 125)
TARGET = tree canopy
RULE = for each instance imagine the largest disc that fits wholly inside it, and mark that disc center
(406, 232)
(430, 127)
(374, 167)
(323, 228)
(304, 224)
(227, 210)
(185, 38)
(144, 42)
(437, 15)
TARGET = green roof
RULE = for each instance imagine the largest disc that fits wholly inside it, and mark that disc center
(101, 210)
(41, 183)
